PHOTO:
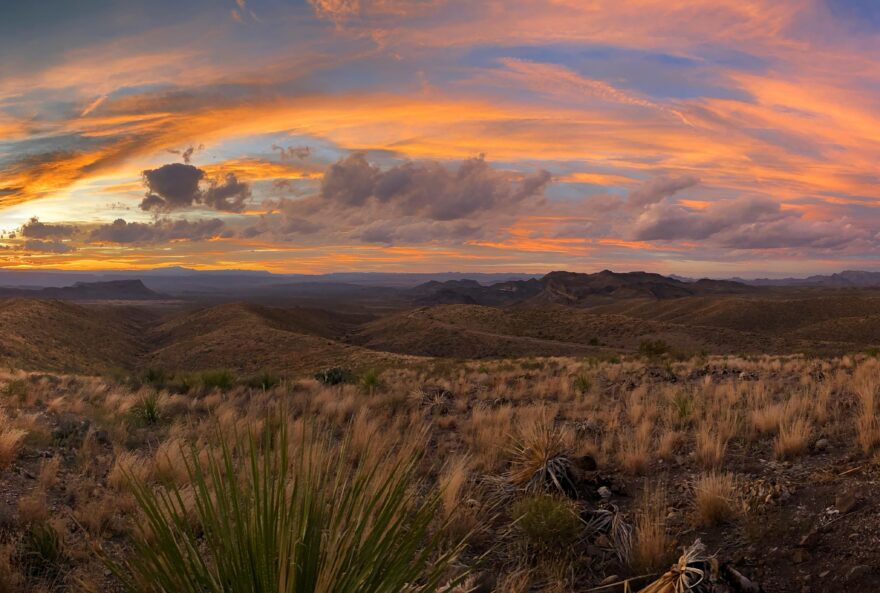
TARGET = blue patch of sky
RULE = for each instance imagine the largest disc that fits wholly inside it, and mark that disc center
(656, 74)
(863, 13)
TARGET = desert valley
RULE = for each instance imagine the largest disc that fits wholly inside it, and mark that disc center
(579, 431)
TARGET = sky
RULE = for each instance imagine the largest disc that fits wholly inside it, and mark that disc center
(696, 137)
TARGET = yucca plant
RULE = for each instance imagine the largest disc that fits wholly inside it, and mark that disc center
(539, 458)
(264, 520)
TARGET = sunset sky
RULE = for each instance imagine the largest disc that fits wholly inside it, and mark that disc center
(697, 137)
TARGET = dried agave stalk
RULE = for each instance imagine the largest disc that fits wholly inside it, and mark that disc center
(694, 572)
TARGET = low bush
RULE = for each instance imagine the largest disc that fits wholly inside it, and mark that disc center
(549, 523)
(335, 376)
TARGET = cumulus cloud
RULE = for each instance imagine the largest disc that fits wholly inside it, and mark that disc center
(413, 202)
(161, 231)
(48, 246)
(35, 229)
(742, 223)
(176, 186)
(428, 189)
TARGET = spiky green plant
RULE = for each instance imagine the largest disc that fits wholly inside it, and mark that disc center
(268, 521)
(371, 381)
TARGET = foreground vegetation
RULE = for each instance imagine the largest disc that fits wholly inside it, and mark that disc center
(553, 474)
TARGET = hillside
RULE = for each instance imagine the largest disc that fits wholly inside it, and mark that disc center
(249, 338)
(59, 336)
(473, 331)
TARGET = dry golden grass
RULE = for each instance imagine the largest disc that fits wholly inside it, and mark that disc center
(651, 545)
(453, 480)
(714, 495)
(793, 438)
(710, 448)
(505, 427)
(10, 441)
(635, 449)
(867, 424)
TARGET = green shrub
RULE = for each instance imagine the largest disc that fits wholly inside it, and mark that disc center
(146, 412)
(18, 389)
(220, 379)
(335, 376)
(548, 523)
(265, 381)
(41, 551)
(581, 383)
(371, 381)
(274, 522)
(653, 349)
(155, 378)
(684, 408)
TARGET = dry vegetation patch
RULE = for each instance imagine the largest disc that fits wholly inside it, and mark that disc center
(558, 471)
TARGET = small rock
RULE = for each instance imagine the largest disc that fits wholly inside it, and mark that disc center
(604, 492)
(821, 445)
(857, 572)
(845, 502)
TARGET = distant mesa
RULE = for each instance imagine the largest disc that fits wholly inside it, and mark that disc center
(126, 290)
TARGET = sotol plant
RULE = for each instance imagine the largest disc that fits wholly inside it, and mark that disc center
(271, 521)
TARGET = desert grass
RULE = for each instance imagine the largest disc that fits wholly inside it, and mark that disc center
(651, 544)
(714, 498)
(498, 434)
(10, 441)
(793, 437)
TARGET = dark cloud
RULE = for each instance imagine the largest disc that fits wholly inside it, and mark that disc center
(292, 152)
(35, 229)
(228, 196)
(172, 186)
(188, 153)
(48, 246)
(161, 231)
(428, 189)
(177, 186)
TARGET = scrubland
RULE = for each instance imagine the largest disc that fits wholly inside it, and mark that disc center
(552, 474)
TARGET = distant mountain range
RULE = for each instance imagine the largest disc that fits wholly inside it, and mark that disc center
(398, 289)
(847, 278)
(571, 288)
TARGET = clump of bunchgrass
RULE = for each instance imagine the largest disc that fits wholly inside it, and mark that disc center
(540, 457)
(793, 438)
(714, 495)
(10, 441)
